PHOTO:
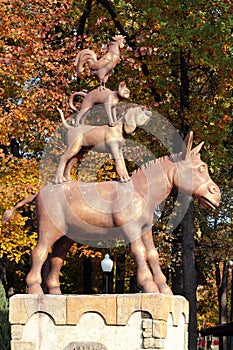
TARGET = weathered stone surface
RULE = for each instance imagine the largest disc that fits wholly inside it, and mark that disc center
(159, 329)
(179, 306)
(147, 333)
(158, 305)
(116, 322)
(148, 343)
(126, 305)
(16, 331)
(23, 306)
(175, 338)
(85, 346)
(147, 324)
(159, 344)
(22, 345)
(103, 304)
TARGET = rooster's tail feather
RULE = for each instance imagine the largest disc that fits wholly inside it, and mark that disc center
(84, 56)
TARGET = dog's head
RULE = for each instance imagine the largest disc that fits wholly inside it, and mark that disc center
(135, 116)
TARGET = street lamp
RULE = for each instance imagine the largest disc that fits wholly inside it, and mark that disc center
(106, 265)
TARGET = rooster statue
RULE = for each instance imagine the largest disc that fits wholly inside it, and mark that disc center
(102, 67)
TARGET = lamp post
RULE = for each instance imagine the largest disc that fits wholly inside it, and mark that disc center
(106, 265)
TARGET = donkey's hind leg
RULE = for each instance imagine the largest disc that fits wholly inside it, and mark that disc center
(38, 256)
(60, 249)
(152, 258)
(144, 275)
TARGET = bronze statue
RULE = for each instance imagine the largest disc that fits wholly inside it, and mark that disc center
(106, 97)
(101, 138)
(102, 67)
(76, 210)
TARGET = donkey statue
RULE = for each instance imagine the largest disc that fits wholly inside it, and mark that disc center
(75, 210)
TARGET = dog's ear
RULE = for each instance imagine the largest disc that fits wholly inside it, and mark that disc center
(129, 120)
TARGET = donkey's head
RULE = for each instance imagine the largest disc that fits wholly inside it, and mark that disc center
(192, 176)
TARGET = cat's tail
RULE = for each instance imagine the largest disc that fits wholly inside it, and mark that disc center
(71, 99)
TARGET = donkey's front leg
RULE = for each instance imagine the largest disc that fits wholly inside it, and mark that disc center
(152, 258)
(144, 275)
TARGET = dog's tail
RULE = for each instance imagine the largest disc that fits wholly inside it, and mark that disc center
(9, 213)
(71, 99)
(64, 122)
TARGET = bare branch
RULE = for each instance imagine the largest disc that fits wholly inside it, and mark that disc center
(84, 17)
(109, 7)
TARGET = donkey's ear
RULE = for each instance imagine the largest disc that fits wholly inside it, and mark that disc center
(197, 149)
(187, 147)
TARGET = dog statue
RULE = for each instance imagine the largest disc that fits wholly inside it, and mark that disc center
(105, 96)
(101, 138)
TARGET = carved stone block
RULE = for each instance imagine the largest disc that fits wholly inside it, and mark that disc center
(104, 304)
(85, 346)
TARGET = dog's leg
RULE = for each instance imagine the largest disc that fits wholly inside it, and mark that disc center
(72, 161)
(114, 117)
(68, 155)
(82, 116)
(78, 118)
(108, 109)
(120, 163)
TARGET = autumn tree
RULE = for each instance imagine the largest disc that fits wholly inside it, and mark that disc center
(177, 61)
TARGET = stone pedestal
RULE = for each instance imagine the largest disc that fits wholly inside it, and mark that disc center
(99, 322)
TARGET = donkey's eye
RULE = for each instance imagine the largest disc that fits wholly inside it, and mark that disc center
(202, 168)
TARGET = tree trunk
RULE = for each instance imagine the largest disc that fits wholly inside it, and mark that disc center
(84, 17)
(231, 316)
(187, 224)
(120, 274)
(14, 147)
(184, 90)
(222, 284)
(177, 268)
(189, 273)
(87, 285)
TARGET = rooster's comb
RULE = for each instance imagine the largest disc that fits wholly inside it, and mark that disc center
(118, 37)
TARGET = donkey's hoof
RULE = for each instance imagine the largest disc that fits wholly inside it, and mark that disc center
(55, 290)
(35, 289)
(165, 289)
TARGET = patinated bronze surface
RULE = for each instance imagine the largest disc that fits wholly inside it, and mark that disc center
(105, 96)
(101, 138)
(74, 211)
(104, 66)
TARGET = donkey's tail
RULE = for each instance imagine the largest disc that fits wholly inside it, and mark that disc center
(9, 213)
(71, 99)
